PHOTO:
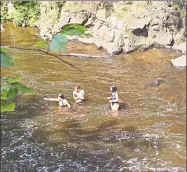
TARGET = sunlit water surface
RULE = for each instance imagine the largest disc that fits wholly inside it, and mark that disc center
(148, 134)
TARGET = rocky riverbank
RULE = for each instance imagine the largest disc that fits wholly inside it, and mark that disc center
(118, 27)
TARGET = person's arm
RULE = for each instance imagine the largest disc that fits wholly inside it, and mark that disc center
(108, 98)
(66, 102)
(81, 95)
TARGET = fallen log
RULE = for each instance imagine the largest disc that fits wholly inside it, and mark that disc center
(60, 56)
(55, 54)
(46, 52)
(86, 55)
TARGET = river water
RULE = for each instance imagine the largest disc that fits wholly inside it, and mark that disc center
(148, 134)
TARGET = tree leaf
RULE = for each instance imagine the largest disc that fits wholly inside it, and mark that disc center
(58, 43)
(6, 60)
(8, 92)
(12, 93)
(4, 90)
(41, 44)
(11, 80)
(74, 29)
(3, 97)
(23, 89)
(4, 94)
(7, 107)
(3, 49)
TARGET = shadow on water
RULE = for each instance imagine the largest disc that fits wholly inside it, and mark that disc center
(124, 106)
(108, 132)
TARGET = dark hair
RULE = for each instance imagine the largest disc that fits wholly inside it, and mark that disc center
(78, 87)
(113, 88)
(61, 96)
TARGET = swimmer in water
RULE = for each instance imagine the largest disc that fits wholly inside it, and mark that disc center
(78, 94)
(62, 101)
(114, 99)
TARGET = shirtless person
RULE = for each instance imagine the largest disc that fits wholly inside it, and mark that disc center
(78, 94)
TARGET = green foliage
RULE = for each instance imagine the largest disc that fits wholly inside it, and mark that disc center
(26, 13)
(22, 88)
(180, 6)
(58, 43)
(6, 60)
(11, 80)
(74, 29)
(41, 44)
(2, 49)
(4, 11)
(10, 86)
(12, 93)
(4, 91)
(7, 107)
(13, 87)
(177, 5)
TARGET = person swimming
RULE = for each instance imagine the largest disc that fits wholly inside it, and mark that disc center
(114, 98)
(62, 101)
(78, 94)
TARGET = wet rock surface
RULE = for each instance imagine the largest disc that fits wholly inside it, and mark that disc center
(120, 26)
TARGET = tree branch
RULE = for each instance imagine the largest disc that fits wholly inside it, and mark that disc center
(60, 56)
(40, 50)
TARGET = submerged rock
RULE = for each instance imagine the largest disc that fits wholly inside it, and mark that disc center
(157, 82)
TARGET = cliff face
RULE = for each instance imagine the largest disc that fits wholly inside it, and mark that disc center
(118, 26)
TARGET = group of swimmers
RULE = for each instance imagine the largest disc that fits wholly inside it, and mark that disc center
(78, 95)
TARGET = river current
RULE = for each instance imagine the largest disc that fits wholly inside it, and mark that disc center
(148, 134)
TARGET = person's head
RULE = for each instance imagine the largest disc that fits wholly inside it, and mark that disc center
(78, 88)
(113, 88)
(61, 96)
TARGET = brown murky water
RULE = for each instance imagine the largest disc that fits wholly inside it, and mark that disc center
(148, 134)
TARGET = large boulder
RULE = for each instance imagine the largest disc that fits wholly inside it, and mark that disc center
(64, 19)
(115, 23)
(48, 21)
(136, 23)
(101, 14)
(163, 37)
(103, 31)
(109, 36)
(112, 48)
(181, 46)
(119, 26)
(119, 38)
(180, 61)
(97, 43)
(90, 21)
(80, 17)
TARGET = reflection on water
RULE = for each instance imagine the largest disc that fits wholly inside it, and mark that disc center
(148, 134)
